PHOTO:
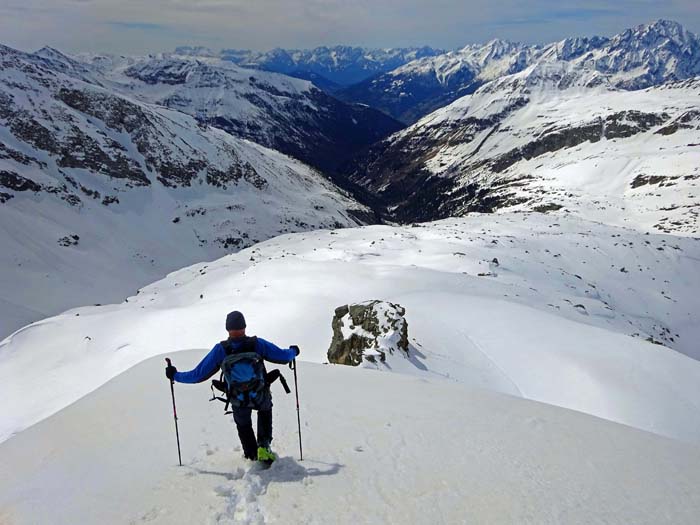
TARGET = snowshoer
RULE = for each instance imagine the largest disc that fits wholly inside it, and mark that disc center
(241, 360)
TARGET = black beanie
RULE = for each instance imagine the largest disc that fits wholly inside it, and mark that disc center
(235, 321)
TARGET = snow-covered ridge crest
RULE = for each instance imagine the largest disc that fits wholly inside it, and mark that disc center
(536, 460)
(487, 61)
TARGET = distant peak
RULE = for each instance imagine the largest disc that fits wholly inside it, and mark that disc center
(669, 28)
(498, 42)
(665, 24)
(6, 50)
(50, 51)
(655, 33)
(194, 51)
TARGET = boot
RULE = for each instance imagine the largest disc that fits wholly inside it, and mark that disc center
(265, 455)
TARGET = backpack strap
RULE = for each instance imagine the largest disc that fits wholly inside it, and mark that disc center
(273, 376)
(249, 344)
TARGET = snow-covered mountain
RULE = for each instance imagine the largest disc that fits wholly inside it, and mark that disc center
(641, 57)
(277, 111)
(421, 86)
(555, 136)
(339, 65)
(645, 56)
(101, 192)
(554, 309)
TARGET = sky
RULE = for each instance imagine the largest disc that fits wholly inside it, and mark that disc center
(144, 26)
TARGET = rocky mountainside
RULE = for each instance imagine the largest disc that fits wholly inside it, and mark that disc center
(279, 112)
(641, 57)
(556, 136)
(101, 192)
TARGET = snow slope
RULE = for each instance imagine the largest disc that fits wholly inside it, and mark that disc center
(101, 193)
(378, 448)
(553, 309)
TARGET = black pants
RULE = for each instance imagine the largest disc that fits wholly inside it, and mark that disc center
(244, 424)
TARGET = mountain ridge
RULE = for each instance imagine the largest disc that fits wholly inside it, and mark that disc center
(340, 64)
(640, 57)
(102, 192)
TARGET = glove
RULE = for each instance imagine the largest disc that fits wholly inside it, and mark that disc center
(296, 349)
(170, 372)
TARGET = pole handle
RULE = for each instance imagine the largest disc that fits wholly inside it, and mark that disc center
(172, 381)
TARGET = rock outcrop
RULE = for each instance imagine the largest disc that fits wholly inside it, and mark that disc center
(367, 332)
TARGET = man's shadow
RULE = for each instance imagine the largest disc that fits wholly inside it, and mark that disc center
(288, 470)
(283, 470)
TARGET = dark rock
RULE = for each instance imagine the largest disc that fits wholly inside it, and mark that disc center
(642, 180)
(544, 208)
(14, 181)
(368, 330)
(69, 240)
(110, 199)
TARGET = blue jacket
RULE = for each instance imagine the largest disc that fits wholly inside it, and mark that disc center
(212, 361)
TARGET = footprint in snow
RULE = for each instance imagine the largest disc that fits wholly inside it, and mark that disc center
(536, 422)
(151, 515)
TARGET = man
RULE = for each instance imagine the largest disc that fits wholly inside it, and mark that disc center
(238, 345)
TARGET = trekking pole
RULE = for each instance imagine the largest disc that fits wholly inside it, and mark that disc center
(177, 432)
(296, 389)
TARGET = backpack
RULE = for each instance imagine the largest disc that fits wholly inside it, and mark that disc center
(244, 380)
(243, 372)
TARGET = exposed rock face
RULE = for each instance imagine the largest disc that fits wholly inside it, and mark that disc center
(368, 331)
(16, 182)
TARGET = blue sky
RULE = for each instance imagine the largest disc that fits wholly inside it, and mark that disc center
(140, 26)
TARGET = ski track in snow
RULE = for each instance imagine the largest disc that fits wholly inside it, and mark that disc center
(490, 359)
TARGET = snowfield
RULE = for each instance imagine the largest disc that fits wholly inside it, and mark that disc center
(378, 448)
(554, 309)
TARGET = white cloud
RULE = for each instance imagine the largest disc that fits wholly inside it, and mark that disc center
(137, 26)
